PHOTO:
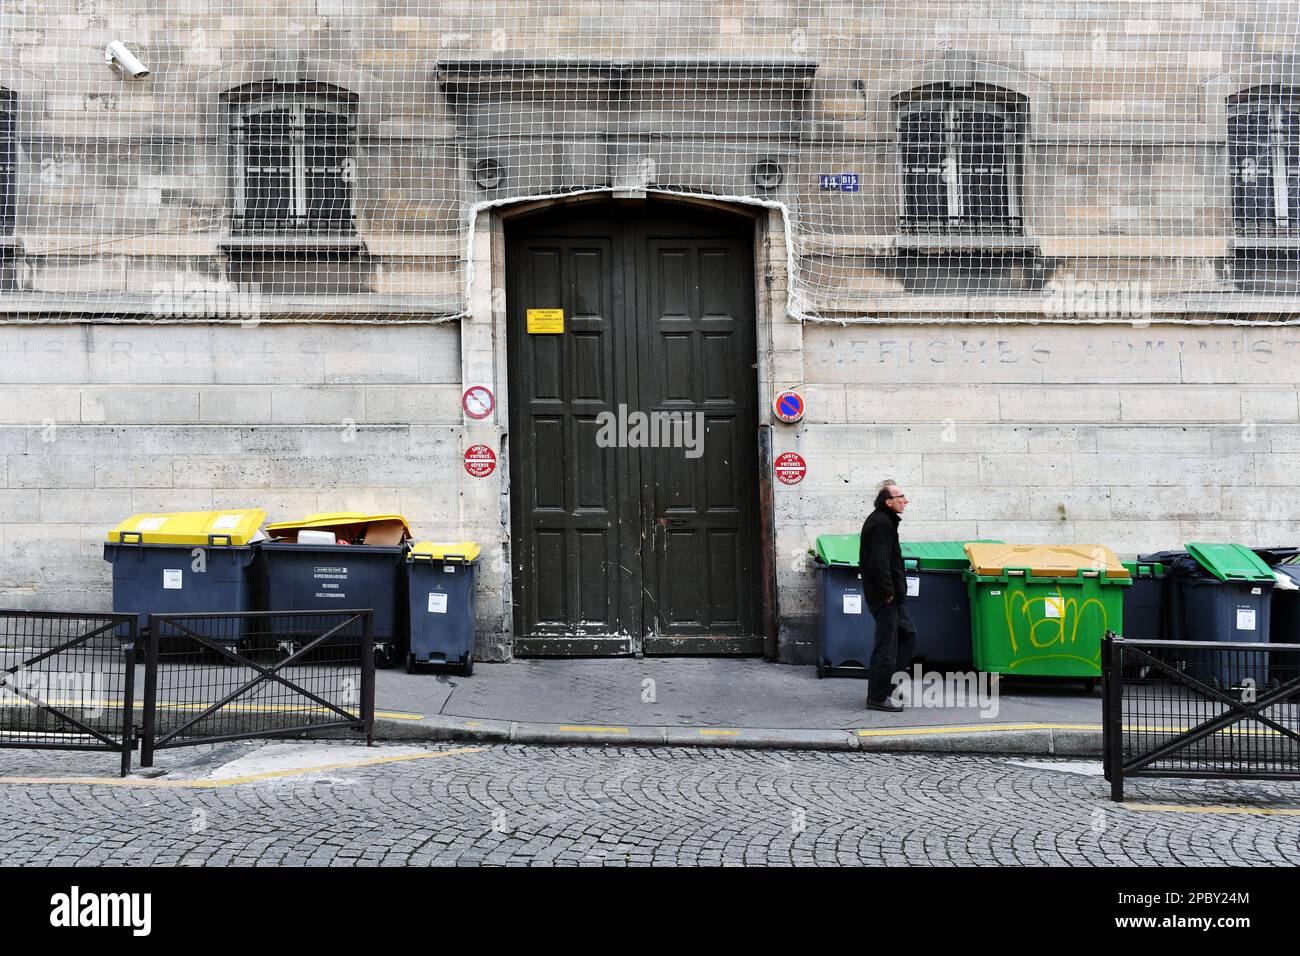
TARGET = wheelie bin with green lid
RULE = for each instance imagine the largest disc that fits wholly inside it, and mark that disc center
(441, 584)
(188, 562)
(1042, 610)
(846, 633)
(1224, 594)
(336, 561)
(937, 600)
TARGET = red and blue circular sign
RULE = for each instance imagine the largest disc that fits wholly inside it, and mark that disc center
(788, 406)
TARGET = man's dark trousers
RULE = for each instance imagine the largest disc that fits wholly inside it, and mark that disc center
(895, 646)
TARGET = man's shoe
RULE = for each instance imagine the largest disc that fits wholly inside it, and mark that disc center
(888, 706)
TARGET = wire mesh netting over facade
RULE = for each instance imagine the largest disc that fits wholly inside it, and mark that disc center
(1071, 161)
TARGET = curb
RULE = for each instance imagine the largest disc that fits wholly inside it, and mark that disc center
(1017, 739)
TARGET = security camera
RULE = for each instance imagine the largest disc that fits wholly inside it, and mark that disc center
(118, 56)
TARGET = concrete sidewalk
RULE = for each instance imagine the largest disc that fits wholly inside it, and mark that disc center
(722, 702)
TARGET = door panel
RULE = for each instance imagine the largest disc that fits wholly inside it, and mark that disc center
(563, 494)
(645, 545)
(698, 326)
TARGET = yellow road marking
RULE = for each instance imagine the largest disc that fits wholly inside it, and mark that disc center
(233, 781)
(1260, 811)
(398, 715)
(978, 728)
(714, 732)
(1232, 729)
(233, 706)
(577, 729)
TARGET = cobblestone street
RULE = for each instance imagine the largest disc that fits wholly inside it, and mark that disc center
(514, 805)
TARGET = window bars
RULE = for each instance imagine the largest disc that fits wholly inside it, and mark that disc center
(295, 164)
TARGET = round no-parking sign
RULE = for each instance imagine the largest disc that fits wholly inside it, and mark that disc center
(788, 406)
(790, 468)
(480, 461)
(478, 401)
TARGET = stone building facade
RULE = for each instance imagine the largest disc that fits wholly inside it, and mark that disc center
(1035, 261)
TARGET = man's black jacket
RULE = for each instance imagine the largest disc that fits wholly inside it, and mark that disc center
(880, 559)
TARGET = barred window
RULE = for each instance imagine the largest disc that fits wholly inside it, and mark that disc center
(1264, 152)
(8, 149)
(959, 165)
(295, 166)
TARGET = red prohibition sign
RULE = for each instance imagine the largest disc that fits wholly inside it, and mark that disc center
(478, 401)
(790, 468)
(480, 461)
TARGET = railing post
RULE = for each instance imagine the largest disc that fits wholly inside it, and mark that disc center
(150, 692)
(368, 678)
(1112, 719)
(128, 693)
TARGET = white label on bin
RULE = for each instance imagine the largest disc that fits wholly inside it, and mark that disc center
(853, 604)
(172, 580)
(1256, 590)
(449, 569)
(437, 602)
(994, 593)
(150, 524)
(1245, 618)
(914, 587)
(1052, 607)
(226, 523)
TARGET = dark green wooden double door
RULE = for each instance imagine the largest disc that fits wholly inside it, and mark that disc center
(619, 545)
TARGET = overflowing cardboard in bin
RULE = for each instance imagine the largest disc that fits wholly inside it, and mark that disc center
(348, 527)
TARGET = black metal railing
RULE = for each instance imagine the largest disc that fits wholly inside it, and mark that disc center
(67, 681)
(1199, 709)
(214, 677)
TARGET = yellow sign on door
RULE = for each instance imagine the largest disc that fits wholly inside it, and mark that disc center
(545, 321)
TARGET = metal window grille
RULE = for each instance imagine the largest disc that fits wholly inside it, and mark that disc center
(295, 167)
(1264, 153)
(959, 163)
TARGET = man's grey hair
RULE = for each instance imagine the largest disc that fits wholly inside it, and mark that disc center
(882, 491)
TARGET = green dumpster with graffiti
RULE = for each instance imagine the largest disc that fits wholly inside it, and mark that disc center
(1042, 610)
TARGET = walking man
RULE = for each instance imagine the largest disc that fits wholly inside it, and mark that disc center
(884, 585)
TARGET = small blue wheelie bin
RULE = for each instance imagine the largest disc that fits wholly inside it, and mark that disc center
(440, 580)
(1224, 594)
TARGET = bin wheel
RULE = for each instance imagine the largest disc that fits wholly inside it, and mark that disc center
(384, 656)
(1089, 685)
(410, 663)
(821, 669)
(467, 665)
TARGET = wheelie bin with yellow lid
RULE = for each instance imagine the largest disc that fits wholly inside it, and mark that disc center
(341, 560)
(1042, 610)
(195, 562)
(440, 578)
